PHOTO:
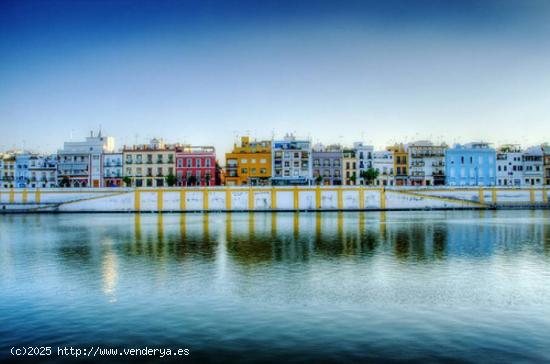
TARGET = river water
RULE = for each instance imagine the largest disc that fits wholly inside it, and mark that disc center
(424, 286)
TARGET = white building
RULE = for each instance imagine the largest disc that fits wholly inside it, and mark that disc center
(80, 163)
(363, 154)
(43, 171)
(533, 166)
(509, 165)
(426, 163)
(382, 162)
(291, 161)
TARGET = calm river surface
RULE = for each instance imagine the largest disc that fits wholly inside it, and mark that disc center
(397, 286)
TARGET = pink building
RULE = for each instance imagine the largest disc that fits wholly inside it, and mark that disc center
(195, 166)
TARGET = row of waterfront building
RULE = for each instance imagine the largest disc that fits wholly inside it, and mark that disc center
(94, 162)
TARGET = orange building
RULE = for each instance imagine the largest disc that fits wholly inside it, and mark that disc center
(249, 163)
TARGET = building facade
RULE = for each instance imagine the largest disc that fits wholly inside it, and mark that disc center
(363, 153)
(43, 171)
(546, 152)
(533, 166)
(149, 165)
(349, 163)
(112, 169)
(509, 165)
(195, 166)
(291, 161)
(22, 177)
(79, 164)
(426, 164)
(382, 162)
(400, 164)
(249, 163)
(473, 164)
(327, 165)
(8, 170)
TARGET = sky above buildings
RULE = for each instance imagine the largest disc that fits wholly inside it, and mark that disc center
(205, 72)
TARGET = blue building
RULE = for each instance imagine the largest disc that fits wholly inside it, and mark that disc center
(22, 177)
(472, 164)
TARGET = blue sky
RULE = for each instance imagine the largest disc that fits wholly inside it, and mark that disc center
(204, 72)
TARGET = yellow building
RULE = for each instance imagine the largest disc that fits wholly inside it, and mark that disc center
(249, 163)
(350, 167)
(400, 164)
(7, 170)
(150, 165)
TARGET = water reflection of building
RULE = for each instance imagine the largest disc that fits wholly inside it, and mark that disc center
(110, 275)
(254, 240)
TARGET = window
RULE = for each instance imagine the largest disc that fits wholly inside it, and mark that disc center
(198, 163)
(263, 161)
(253, 161)
(207, 162)
(262, 170)
(189, 162)
(244, 161)
(244, 170)
(180, 163)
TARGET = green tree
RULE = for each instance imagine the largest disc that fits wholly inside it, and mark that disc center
(191, 180)
(65, 182)
(170, 180)
(353, 179)
(369, 175)
(127, 181)
(318, 180)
